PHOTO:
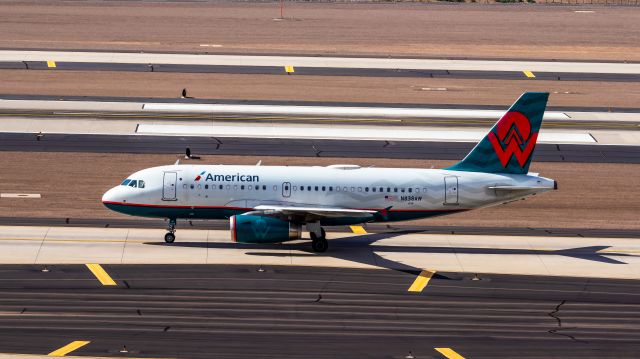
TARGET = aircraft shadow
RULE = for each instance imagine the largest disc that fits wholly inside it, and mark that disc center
(340, 248)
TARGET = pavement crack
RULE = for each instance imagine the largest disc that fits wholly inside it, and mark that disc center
(318, 299)
(554, 314)
(166, 329)
(139, 312)
(126, 284)
(555, 311)
(23, 310)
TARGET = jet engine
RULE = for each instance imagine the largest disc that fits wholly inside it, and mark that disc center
(261, 229)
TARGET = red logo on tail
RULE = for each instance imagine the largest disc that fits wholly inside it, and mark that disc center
(513, 131)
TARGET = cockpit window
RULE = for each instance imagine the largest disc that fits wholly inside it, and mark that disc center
(133, 183)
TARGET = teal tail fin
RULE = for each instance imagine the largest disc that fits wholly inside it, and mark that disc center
(508, 147)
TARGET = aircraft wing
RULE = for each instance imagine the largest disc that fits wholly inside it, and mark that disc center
(311, 213)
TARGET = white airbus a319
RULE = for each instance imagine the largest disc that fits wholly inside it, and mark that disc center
(270, 204)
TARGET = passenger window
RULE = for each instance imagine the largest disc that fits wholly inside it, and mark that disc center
(344, 189)
(373, 189)
(381, 189)
(410, 190)
(359, 189)
(338, 189)
(402, 190)
(264, 188)
(424, 189)
(192, 186)
(353, 189)
(324, 188)
(302, 188)
(286, 188)
(417, 190)
(184, 186)
(257, 187)
(388, 189)
(220, 187)
(308, 188)
(235, 187)
(395, 190)
(366, 189)
(242, 187)
(199, 186)
(330, 188)
(295, 188)
(316, 188)
(250, 187)
(275, 188)
(228, 187)
(206, 186)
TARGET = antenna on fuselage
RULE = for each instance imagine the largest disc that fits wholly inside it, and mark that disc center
(177, 162)
(259, 163)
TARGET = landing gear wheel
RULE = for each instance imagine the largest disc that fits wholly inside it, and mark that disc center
(320, 245)
(169, 237)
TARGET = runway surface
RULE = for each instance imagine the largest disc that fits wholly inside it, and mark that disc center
(301, 148)
(479, 74)
(43, 57)
(149, 223)
(265, 311)
(591, 257)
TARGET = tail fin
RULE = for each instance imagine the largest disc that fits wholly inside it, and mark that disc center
(508, 147)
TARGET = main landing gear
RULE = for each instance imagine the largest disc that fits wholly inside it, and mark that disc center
(318, 236)
(170, 236)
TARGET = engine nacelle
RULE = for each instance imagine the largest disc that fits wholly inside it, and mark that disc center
(260, 229)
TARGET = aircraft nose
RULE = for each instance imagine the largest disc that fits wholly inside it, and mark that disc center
(109, 196)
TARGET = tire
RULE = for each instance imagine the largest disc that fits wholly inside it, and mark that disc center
(320, 245)
(169, 237)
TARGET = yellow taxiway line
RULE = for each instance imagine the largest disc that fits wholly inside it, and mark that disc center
(421, 282)
(101, 274)
(51, 63)
(358, 229)
(68, 348)
(449, 353)
(529, 74)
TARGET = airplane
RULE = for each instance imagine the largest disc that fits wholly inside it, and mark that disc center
(270, 204)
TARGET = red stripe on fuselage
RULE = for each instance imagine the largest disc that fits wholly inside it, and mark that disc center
(250, 209)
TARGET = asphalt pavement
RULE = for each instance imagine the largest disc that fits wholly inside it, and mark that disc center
(302, 148)
(234, 311)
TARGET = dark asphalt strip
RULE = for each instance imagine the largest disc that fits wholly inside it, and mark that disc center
(204, 311)
(301, 148)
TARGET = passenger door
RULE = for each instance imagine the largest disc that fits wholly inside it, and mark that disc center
(451, 190)
(286, 190)
(169, 186)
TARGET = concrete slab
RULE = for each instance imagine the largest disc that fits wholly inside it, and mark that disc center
(555, 256)
(332, 62)
(82, 245)
(146, 246)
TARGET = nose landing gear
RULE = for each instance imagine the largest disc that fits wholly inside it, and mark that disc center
(170, 237)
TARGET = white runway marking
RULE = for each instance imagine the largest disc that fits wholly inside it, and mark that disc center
(343, 132)
(20, 195)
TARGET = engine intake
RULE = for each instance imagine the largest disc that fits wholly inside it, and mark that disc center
(261, 229)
